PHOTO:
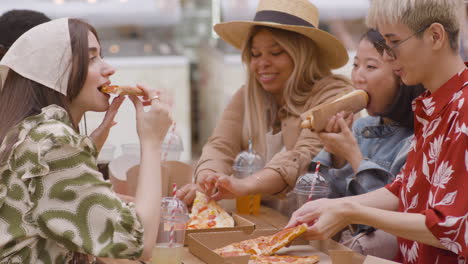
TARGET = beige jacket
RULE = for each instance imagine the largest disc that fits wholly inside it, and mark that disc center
(301, 144)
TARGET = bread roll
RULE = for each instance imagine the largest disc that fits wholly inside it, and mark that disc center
(318, 117)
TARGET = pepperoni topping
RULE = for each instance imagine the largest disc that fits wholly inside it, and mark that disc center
(202, 209)
(211, 223)
(211, 217)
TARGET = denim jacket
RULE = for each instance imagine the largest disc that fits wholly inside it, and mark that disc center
(384, 148)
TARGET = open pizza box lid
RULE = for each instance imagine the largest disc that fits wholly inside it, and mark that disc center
(176, 172)
(240, 224)
(329, 251)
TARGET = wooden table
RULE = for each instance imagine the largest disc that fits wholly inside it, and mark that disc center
(266, 219)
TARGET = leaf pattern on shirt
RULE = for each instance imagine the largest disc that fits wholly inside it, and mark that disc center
(435, 149)
(449, 199)
(428, 106)
(461, 103)
(456, 96)
(463, 129)
(410, 254)
(451, 245)
(411, 180)
(425, 168)
(442, 175)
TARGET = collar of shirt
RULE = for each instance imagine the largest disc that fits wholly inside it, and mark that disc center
(378, 129)
(428, 104)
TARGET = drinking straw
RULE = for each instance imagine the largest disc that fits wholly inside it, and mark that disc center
(314, 180)
(172, 231)
(169, 142)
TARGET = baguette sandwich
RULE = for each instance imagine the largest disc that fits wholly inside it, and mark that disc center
(318, 117)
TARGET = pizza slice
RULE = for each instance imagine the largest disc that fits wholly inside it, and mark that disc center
(283, 259)
(263, 245)
(207, 213)
(121, 90)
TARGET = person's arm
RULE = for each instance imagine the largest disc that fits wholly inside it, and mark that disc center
(328, 216)
(226, 141)
(411, 226)
(99, 135)
(371, 176)
(152, 127)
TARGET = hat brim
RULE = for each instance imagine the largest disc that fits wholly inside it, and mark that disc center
(236, 32)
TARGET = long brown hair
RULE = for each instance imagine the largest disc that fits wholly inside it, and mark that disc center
(21, 97)
(310, 72)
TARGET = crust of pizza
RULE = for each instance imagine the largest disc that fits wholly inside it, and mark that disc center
(263, 245)
(283, 259)
(207, 213)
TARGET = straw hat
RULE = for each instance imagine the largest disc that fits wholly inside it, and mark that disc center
(299, 16)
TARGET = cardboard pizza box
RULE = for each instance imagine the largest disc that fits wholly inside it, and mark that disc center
(123, 175)
(330, 252)
(240, 224)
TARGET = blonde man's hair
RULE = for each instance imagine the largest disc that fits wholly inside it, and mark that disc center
(309, 69)
(416, 14)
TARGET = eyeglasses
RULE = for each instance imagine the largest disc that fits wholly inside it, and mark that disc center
(391, 50)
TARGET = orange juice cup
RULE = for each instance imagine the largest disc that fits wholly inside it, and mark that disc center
(249, 204)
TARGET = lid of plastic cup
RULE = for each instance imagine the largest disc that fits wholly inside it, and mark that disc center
(172, 142)
(248, 161)
(174, 210)
(304, 183)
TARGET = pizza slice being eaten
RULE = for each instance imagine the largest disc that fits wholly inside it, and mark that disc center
(263, 245)
(207, 213)
(121, 90)
(283, 259)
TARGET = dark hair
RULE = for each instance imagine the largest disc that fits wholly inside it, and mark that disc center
(21, 97)
(400, 109)
(14, 23)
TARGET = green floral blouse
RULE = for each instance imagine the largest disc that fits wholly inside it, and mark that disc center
(53, 199)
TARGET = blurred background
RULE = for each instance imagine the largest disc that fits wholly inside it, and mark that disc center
(170, 45)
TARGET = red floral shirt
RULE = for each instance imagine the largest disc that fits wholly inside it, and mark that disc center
(434, 180)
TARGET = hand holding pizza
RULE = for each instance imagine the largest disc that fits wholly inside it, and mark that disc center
(224, 186)
(187, 193)
(152, 125)
(325, 217)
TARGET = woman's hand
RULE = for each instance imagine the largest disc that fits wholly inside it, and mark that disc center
(153, 124)
(224, 186)
(338, 139)
(325, 217)
(187, 193)
(100, 134)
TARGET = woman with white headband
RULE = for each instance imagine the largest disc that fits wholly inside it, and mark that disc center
(54, 203)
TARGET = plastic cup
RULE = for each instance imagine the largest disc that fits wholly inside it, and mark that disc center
(302, 196)
(246, 164)
(249, 204)
(304, 191)
(172, 146)
(171, 234)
